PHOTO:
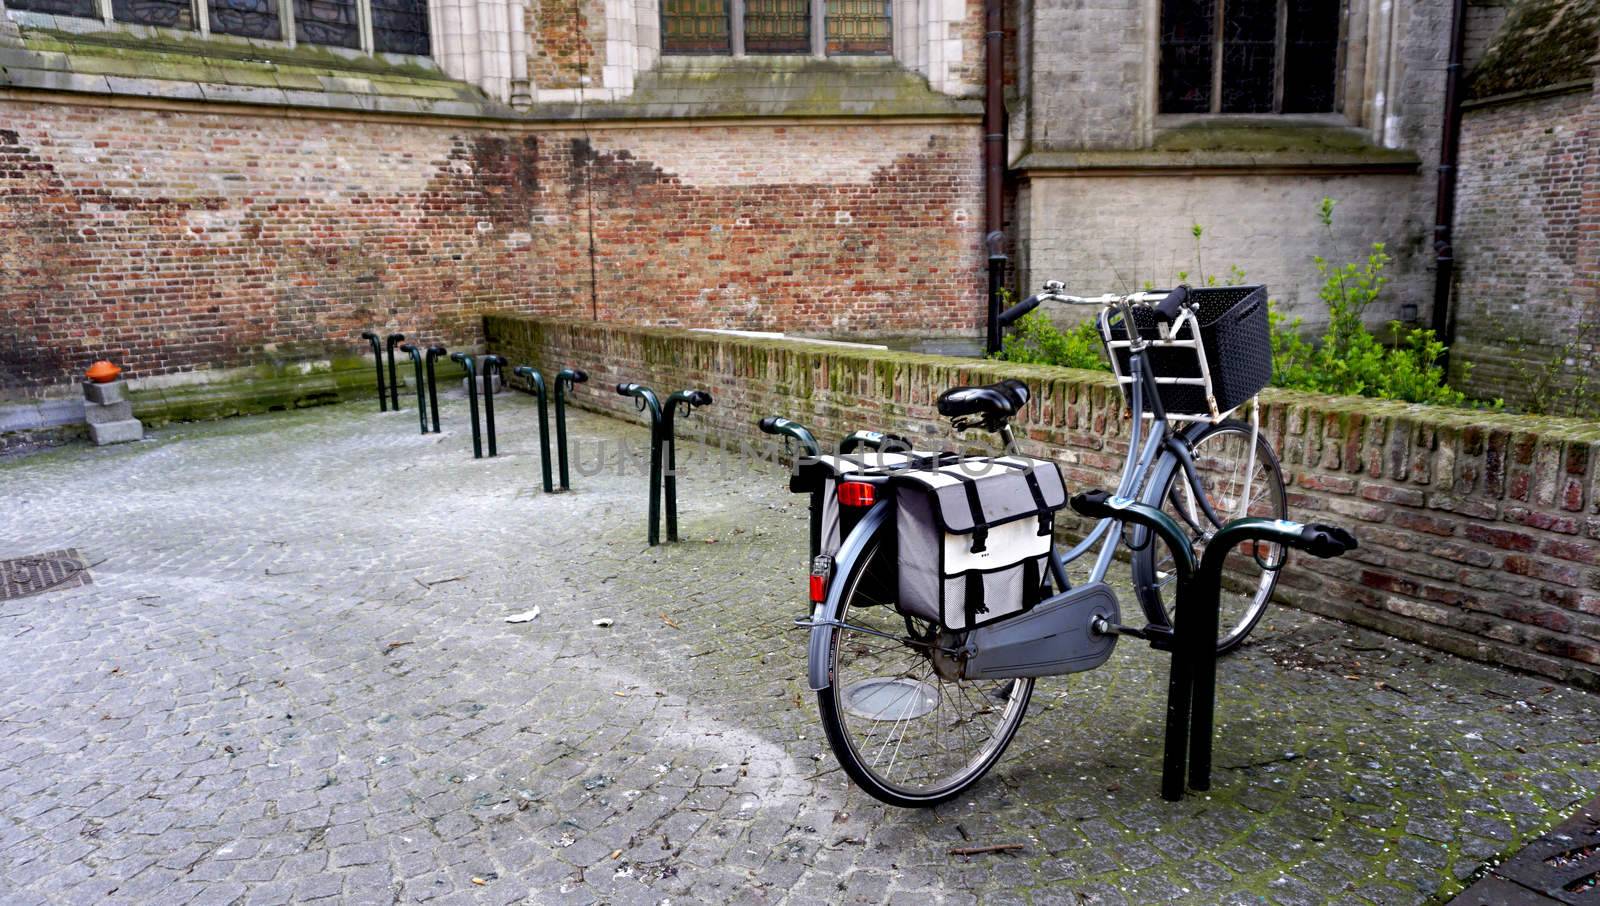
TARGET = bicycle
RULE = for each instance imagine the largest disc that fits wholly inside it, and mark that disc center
(915, 713)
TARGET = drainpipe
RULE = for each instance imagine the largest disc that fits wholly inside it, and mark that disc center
(1444, 322)
(521, 98)
(994, 161)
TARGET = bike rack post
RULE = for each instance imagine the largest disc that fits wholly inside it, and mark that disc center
(416, 365)
(394, 382)
(792, 430)
(434, 352)
(536, 381)
(491, 366)
(1180, 682)
(377, 359)
(565, 379)
(1317, 539)
(648, 401)
(689, 400)
(471, 365)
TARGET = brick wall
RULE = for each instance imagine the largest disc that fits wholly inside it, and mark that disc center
(179, 240)
(1480, 533)
(1527, 237)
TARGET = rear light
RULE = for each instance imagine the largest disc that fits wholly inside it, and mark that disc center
(858, 493)
(821, 568)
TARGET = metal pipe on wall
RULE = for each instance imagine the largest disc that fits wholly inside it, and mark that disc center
(1444, 322)
(994, 161)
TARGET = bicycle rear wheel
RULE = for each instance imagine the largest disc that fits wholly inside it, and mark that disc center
(899, 719)
(1223, 462)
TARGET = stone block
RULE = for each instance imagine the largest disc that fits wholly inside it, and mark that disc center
(116, 432)
(104, 394)
(108, 413)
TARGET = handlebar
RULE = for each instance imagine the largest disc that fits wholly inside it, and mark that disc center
(777, 424)
(1165, 303)
(573, 375)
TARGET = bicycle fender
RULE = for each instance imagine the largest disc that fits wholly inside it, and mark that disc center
(829, 610)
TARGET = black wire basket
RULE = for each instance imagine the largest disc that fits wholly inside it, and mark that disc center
(1234, 337)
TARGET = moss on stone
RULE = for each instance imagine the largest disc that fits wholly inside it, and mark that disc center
(1542, 43)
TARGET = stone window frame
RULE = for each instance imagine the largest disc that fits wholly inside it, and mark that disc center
(736, 24)
(1367, 85)
(200, 10)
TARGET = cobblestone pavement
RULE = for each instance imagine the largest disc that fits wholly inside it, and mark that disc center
(292, 679)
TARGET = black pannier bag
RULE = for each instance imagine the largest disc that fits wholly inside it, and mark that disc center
(1238, 348)
(973, 538)
(820, 476)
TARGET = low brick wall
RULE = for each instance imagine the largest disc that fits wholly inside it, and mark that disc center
(1480, 531)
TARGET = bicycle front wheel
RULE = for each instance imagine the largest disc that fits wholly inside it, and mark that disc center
(1237, 484)
(900, 720)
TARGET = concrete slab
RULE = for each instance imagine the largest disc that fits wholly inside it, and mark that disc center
(118, 432)
(96, 414)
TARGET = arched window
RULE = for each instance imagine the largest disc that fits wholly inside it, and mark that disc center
(1250, 56)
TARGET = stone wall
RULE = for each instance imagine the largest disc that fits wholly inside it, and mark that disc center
(1480, 532)
(1528, 241)
(179, 239)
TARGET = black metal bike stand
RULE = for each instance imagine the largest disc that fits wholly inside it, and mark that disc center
(491, 367)
(800, 434)
(377, 360)
(1191, 687)
(648, 401)
(394, 382)
(471, 366)
(536, 381)
(565, 379)
(416, 366)
(688, 401)
(434, 352)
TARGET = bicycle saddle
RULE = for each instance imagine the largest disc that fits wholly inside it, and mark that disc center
(994, 402)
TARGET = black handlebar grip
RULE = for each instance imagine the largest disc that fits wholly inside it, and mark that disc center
(368, 335)
(1321, 540)
(407, 347)
(1169, 307)
(1018, 310)
(579, 376)
(699, 398)
(769, 425)
(625, 388)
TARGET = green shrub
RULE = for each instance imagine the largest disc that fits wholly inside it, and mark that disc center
(1035, 340)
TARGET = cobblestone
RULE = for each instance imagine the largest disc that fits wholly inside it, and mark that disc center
(291, 679)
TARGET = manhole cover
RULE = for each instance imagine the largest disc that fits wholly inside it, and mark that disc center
(896, 700)
(36, 573)
(1563, 866)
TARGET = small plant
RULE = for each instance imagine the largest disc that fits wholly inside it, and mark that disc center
(1035, 340)
(1564, 383)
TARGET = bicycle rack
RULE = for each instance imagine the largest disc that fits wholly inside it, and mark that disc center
(565, 380)
(471, 366)
(434, 352)
(536, 381)
(648, 401)
(688, 400)
(874, 440)
(394, 382)
(416, 365)
(377, 359)
(491, 366)
(793, 430)
(1191, 686)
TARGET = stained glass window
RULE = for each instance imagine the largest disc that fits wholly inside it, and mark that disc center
(1311, 56)
(331, 22)
(400, 26)
(246, 18)
(83, 8)
(695, 26)
(166, 13)
(777, 26)
(858, 26)
(1249, 56)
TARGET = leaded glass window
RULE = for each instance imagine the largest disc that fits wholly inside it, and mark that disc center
(1250, 56)
(85, 8)
(400, 26)
(777, 26)
(330, 22)
(858, 26)
(695, 26)
(246, 18)
(165, 13)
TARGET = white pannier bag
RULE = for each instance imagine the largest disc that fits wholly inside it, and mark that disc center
(973, 538)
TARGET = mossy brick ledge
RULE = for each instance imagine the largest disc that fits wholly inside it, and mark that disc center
(1480, 531)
